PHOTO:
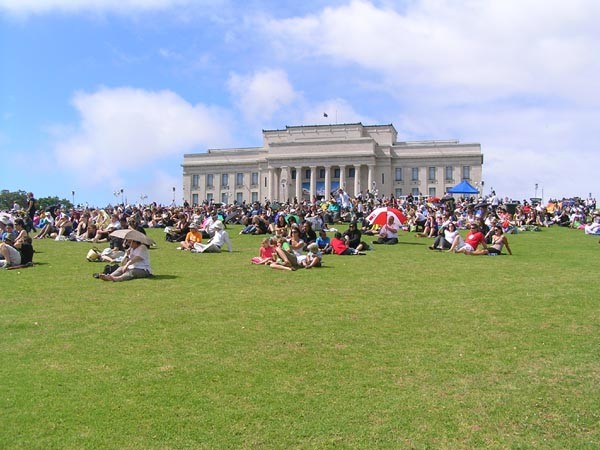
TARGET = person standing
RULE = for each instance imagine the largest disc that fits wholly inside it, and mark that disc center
(31, 202)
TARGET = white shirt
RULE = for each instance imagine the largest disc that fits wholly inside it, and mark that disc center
(142, 252)
(221, 238)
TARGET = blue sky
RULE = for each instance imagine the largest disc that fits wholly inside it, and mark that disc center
(102, 95)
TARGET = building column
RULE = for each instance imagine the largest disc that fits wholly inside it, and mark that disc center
(327, 182)
(298, 193)
(271, 184)
(356, 179)
(343, 177)
(284, 182)
(371, 177)
(313, 182)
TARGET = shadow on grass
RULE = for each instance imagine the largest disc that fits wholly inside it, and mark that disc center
(162, 277)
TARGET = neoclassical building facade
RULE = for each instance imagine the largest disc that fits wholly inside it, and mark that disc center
(304, 162)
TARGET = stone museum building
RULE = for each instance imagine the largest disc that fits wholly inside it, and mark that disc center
(304, 162)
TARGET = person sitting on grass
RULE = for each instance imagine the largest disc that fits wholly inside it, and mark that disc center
(499, 241)
(194, 236)
(284, 259)
(313, 258)
(353, 236)
(324, 243)
(9, 255)
(446, 238)
(136, 264)
(219, 239)
(64, 227)
(265, 253)
(46, 225)
(21, 233)
(388, 234)
(472, 240)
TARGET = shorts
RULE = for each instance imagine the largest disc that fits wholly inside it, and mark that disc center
(493, 251)
(466, 248)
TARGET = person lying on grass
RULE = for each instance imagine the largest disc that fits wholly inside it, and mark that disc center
(340, 248)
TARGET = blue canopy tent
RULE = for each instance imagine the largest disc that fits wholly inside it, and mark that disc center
(464, 187)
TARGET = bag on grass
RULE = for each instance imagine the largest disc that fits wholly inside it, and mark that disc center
(93, 254)
(110, 268)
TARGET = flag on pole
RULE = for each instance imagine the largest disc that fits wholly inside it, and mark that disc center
(325, 115)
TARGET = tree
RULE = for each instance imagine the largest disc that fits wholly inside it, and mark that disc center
(8, 199)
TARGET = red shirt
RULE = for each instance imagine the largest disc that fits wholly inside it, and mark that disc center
(338, 246)
(474, 239)
(266, 252)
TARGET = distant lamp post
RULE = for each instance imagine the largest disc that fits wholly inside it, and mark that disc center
(143, 198)
(119, 192)
(73, 197)
(173, 195)
(536, 188)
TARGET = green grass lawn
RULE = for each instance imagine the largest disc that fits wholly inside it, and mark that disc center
(402, 348)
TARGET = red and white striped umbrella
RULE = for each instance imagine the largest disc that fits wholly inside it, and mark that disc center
(379, 216)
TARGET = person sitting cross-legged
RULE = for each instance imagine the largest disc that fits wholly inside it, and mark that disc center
(136, 264)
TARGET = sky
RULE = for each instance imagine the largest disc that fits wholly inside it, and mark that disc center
(102, 95)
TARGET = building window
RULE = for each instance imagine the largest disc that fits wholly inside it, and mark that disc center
(415, 192)
(210, 181)
(254, 197)
(239, 197)
(195, 179)
(254, 181)
(351, 172)
(432, 192)
(307, 174)
(321, 173)
(382, 178)
(265, 181)
(466, 172)
(294, 174)
(449, 173)
(209, 197)
(239, 179)
(398, 174)
(415, 174)
(194, 199)
(398, 193)
(336, 173)
(224, 196)
(224, 180)
(432, 173)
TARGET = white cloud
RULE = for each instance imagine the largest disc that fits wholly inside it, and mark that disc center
(262, 94)
(482, 49)
(519, 76)
(124, 130)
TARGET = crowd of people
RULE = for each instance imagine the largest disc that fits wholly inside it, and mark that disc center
(296, 232)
